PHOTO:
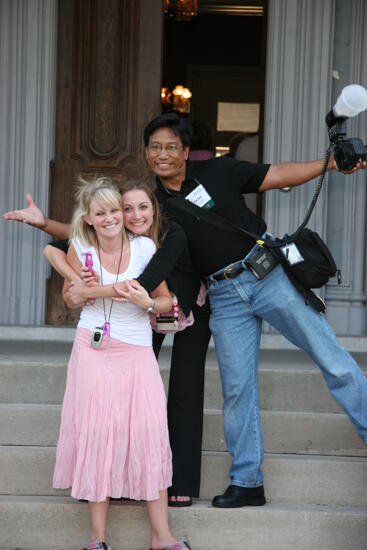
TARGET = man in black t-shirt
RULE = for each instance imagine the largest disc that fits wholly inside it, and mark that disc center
(239, 301)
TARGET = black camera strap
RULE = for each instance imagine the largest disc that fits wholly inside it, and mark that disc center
(218, 221)
(209, 216)
(320, 181)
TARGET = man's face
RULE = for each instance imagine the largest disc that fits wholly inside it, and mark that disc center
(166, 155)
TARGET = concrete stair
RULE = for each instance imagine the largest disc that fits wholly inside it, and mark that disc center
(315, 465)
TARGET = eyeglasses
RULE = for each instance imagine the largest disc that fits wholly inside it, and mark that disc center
(170, 148)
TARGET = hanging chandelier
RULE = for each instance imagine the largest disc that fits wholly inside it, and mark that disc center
(182, 10)
(178, 100)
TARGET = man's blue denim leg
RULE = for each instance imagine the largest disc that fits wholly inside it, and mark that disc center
(278, 302)
(238, 305)
(236, 333)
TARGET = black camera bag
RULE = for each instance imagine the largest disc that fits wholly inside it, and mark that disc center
(318, 265)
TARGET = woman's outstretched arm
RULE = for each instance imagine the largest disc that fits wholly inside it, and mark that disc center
(32, 215)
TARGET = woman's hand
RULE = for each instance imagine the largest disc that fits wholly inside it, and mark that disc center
(134, 293)
(90, 279)
(78, 293)
(32, 215)
(137, 295)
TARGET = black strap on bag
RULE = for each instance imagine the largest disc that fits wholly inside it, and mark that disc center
(318, 264)
(218, 221)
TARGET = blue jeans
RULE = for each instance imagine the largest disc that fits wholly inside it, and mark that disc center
(238, 305)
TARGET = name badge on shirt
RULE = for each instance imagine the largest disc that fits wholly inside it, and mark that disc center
(292, 254)
(200, 197)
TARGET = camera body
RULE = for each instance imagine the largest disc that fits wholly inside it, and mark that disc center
(97, 337)
(347, 151)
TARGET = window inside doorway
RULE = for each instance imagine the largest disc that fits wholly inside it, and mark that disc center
(238, 117)
(220, 56)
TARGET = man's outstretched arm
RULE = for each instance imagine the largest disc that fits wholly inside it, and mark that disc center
(32, 215)
(291, 174)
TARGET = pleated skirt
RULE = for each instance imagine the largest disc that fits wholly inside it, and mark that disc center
(113, 439)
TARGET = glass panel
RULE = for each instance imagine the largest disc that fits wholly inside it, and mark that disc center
(238, 117)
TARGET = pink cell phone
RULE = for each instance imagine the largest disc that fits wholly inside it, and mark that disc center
(89, 262)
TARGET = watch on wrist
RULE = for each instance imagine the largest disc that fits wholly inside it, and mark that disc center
(150, 309)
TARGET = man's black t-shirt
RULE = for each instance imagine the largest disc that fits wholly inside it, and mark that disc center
(225, 180)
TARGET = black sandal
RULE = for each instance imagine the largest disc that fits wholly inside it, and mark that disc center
(97, 545)
(179, 503)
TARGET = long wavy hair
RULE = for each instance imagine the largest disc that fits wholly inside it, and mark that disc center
(103, 191)
(158, 229)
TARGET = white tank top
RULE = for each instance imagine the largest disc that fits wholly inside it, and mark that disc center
(129, 323)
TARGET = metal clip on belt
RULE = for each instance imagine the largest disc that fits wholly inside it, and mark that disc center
(229, 273)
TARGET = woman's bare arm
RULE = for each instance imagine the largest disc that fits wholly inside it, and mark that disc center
(75, 264)
(79, 292)
(32, 215)
(57, 258)
(161, 298)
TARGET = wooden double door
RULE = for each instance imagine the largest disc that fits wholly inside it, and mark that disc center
(108, 88)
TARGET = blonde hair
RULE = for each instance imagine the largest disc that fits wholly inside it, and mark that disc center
(103, 191)
(156, 231)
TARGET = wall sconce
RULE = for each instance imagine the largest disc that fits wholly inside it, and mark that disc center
(165, 99)
(182, 10)
(178, 100)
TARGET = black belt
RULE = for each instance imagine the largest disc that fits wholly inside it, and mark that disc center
(229, 272)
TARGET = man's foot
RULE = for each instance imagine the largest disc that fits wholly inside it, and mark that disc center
(235, 497)
(179, 501)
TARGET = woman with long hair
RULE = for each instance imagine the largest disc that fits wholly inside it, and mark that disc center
(172, 263)
(113, 438)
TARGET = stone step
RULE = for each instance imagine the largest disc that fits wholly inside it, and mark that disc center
(49, 333)
(309, 479)
(39, 523)
(294, 433)
(288, 380)
(284, 432)
(57, 352)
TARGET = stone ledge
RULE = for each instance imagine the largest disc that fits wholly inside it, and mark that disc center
(66, 334)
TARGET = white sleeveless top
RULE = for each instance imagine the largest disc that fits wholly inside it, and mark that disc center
(129, 323)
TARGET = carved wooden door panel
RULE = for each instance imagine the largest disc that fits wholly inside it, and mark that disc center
(108, 88)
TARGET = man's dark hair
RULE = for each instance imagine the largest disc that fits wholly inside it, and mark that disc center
(179, 126)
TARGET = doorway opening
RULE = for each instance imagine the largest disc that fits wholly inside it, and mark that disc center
(220, 56)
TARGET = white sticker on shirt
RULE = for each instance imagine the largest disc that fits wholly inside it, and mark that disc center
(292, 254)
(200, 197)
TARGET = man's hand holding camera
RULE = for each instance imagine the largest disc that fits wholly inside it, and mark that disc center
(332, 165)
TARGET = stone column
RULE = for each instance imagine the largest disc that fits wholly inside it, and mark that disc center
(346, 224)
(298, 96)
(28, 42)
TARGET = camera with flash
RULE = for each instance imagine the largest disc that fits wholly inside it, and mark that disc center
(347, 151)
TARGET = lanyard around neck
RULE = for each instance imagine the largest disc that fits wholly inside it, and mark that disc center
(107, 321)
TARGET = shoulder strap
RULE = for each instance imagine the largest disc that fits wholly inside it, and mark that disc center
(209, 216)
(222, 223)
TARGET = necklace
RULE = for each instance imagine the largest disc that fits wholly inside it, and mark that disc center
(107, 324)
(114, 254)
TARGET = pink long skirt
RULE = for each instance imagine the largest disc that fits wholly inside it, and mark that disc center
(113, 437)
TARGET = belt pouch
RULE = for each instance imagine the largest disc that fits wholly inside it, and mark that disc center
(262, 263)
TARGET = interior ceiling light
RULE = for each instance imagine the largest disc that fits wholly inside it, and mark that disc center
(182, 10)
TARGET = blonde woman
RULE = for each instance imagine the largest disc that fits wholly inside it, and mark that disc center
(171, 263)
(113, 438)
